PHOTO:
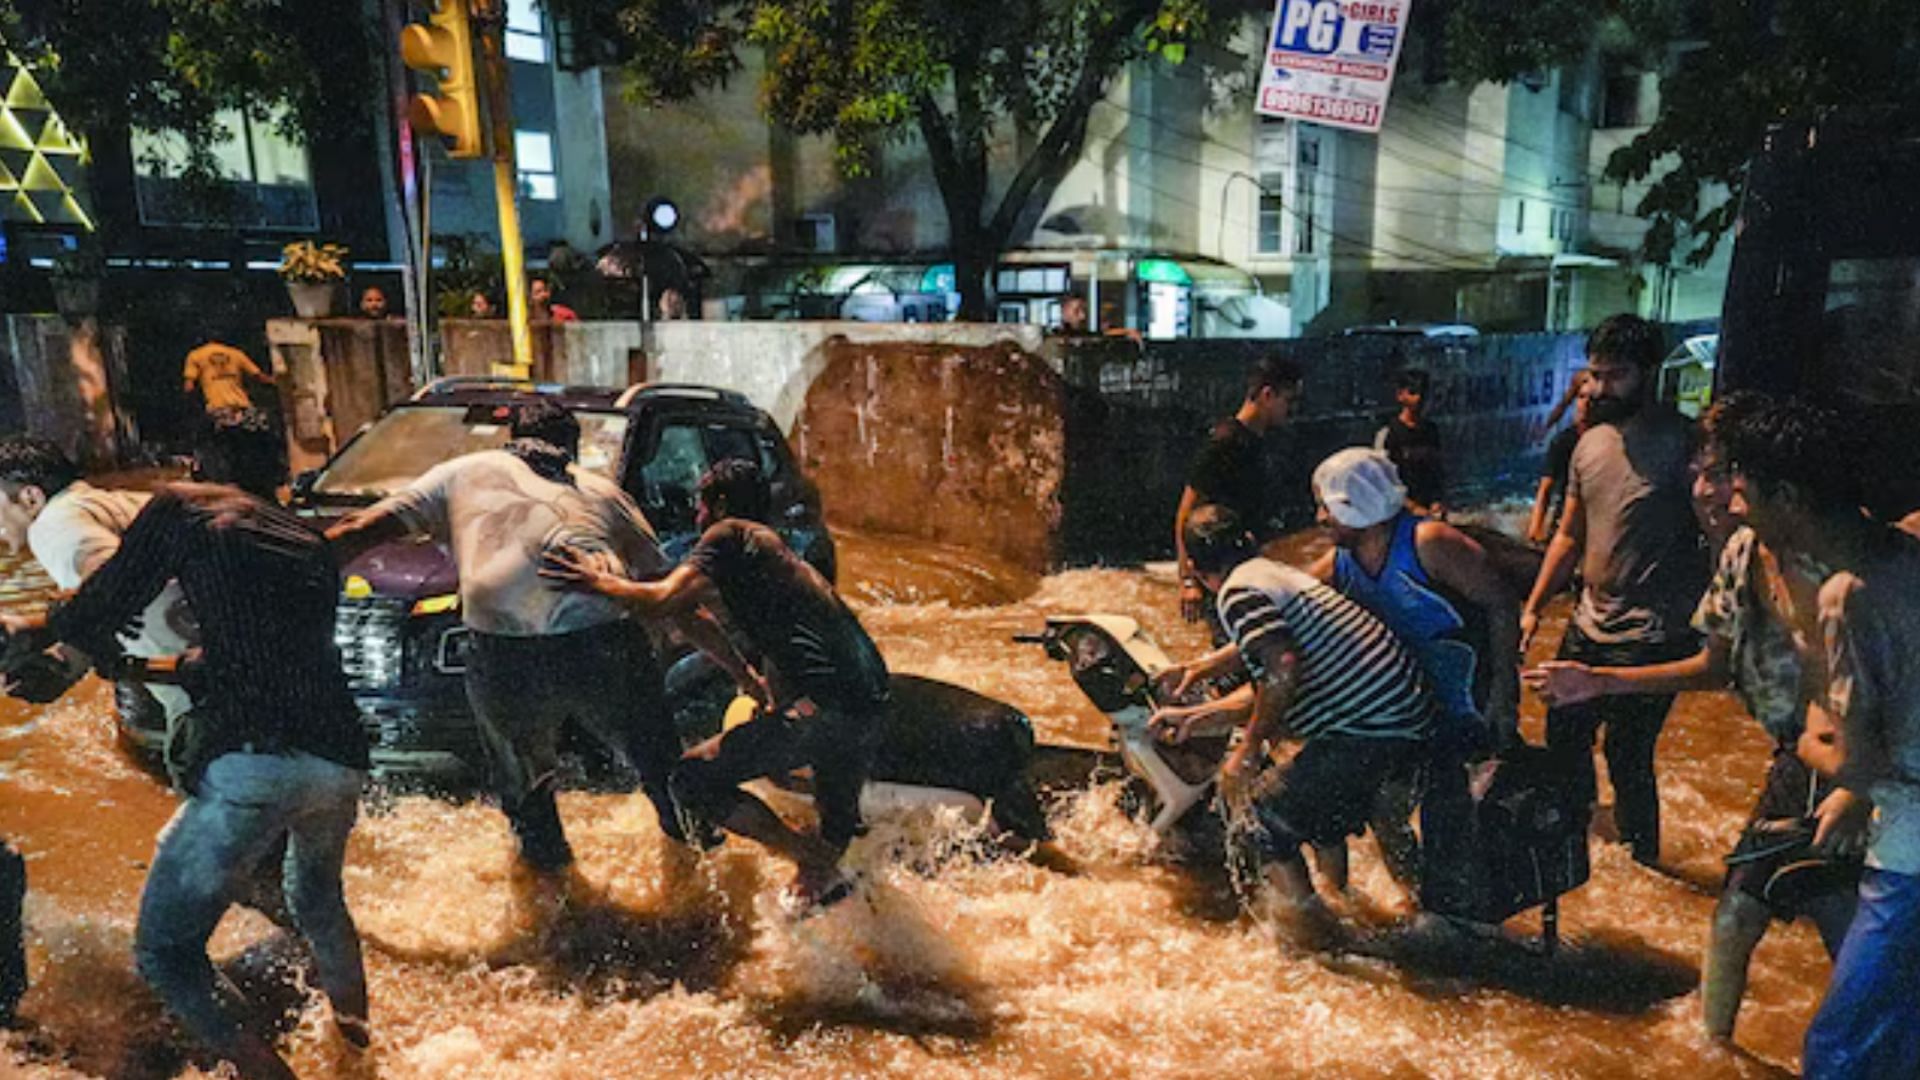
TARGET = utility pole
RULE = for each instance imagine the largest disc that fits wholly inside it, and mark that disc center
(490, 19)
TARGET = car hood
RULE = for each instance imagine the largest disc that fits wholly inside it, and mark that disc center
(409, 569)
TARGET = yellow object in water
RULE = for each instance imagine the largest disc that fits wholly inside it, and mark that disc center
(740, 710)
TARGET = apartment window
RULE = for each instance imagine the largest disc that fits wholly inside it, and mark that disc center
(526, 33)
(1519, 216)
(1306, 179)
(267, 179)
(533, 156)
(1031, 281)
(815, 232)
(1270, 165)
(1620, 98)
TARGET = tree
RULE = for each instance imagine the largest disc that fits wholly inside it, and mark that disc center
(175, 65)
(1729, 68)
(955, 74)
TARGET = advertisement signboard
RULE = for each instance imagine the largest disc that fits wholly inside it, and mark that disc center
(1331, 61)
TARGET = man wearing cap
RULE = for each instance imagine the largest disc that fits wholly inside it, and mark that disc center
(1437, 589)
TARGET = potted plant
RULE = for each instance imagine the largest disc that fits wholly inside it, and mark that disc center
(313, 273)
(76, 280)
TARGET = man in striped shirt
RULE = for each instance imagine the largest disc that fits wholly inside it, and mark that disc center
(1325, 672)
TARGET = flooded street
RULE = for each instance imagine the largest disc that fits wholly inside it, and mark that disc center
(958, 964)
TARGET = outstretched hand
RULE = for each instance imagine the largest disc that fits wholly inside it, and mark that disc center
(1564, 682)
(571, 566)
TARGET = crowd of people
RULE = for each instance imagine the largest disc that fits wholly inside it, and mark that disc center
(1733, 552)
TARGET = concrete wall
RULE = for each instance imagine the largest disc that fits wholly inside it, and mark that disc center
(333, 376)
(68, 382)
(955, 444)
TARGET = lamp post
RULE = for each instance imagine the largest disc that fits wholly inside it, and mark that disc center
(660, 217)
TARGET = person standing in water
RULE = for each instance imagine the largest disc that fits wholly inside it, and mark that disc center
(827, 677)
(1412, 443)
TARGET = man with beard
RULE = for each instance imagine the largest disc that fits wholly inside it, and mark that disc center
(1629, 524)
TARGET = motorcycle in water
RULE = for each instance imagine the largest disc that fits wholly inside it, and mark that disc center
(1529, 839)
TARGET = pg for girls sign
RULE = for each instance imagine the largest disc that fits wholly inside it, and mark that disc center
(1331, 61)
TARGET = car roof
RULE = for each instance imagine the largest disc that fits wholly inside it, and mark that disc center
(489, 390)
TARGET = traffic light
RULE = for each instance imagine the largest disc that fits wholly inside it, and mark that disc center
(444, 49)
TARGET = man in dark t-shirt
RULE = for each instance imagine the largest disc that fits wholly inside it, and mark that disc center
(821, 669)
(1412, 442)
(1231, 469)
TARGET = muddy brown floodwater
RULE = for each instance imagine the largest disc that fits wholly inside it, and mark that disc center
(959, 964)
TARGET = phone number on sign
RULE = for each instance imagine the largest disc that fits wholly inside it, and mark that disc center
(1326, 108)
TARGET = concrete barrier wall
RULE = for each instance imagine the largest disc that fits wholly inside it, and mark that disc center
(68, 384)
(773, 363)
(952, 443)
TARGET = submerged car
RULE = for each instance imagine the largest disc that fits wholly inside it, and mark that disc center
(401, 640)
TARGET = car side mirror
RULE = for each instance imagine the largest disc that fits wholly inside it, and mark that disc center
(303, 483)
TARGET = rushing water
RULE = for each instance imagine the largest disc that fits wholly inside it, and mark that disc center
(956, 963)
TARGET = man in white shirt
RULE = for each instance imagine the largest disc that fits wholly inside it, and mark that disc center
(542, 653)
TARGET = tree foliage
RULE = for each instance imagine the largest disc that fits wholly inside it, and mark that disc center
(1728, 69)
(175, 65)
(964, 78)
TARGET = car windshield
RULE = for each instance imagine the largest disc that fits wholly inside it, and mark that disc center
(414, 438)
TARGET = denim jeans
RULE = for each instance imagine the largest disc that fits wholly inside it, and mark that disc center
(1868, 1025)
(1632, 722)
(245, 804)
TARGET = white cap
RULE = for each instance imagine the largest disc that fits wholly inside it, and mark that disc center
(1360, 487)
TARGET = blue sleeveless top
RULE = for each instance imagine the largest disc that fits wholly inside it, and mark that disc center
(1426, 618)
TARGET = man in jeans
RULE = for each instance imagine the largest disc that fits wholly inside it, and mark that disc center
(1797, 485)
(276, 750)
(1629, 524)
(541, 652)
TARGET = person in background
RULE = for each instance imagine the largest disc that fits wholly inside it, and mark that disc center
(276, 753)
(1073, 318)
(373, 303)
(481, 306)
(1549, 499)
(1231, 471)
(1629, 525)
(1326, 672)
(1438, 590)
(1753, 645)
(672, 304)
(540, 297)
(826, 676)
(220, 373)
(1412, 442)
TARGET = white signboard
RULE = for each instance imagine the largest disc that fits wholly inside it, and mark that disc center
(1331, 61)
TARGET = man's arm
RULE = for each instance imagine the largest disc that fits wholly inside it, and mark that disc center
(1858, 658)
(1458, 562)
(1569, 682)
(1275, 657)
(1542, 505)
(1556, 569)
(704, 631)
(1192, 597)
(369, 528)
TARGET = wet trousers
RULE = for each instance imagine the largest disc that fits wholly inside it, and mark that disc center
(1868, 1026)
(13, 953)
(523, 691)
(1632, 724)
(245, 805)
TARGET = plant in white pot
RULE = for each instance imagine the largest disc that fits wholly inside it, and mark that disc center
(313, 273)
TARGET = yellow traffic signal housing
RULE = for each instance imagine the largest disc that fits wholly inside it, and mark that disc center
(444, 48)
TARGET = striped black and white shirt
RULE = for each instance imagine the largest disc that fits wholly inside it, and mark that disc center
(1354, 676)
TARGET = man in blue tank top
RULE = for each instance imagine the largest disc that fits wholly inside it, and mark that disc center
(1438, 590)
